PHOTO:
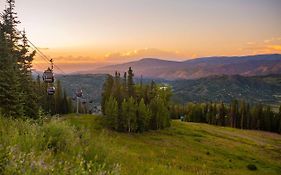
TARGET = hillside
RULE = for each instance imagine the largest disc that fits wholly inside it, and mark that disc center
(75, 144)
(265, 89)
(90, 84)
(259, 89)
(199, 67)
(188, 148)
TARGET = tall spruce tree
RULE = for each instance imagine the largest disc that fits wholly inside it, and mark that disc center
(131, 91)
(10, 96)
(31, 107)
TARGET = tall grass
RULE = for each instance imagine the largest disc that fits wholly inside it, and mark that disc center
(52, 147)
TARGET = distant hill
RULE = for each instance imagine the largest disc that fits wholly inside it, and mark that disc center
(90, 84)
(258, 89)
(201, 67)
(264, 89)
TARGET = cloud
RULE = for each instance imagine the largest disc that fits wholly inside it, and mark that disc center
(251, 43)
(66, 59)
(272, 45)
(141, 53)
(273, 39)
(275, 47)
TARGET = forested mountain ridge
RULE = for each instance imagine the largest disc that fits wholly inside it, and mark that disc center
(257, 89)
(201, 67)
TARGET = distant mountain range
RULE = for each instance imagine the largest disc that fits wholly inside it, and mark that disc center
(197, 68)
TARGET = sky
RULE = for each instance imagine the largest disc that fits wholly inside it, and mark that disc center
(87, 32)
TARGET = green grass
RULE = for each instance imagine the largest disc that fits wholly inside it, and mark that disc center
(81, 145)
(187, 148)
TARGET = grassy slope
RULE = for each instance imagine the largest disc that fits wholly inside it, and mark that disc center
(187, 148)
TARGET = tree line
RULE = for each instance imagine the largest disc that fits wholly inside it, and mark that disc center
(238, 114)
(130, 107)
(20, 94)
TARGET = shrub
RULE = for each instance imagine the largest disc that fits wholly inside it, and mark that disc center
(54, 147)
(252, 167)
(58, 136)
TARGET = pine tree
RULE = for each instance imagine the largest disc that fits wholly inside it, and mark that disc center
(125, 86)
(242, 114)
(131, 91)
(70, 108)
(279, 115)
(160, 117)
(9, 18)
(10, 96)
(58, 98)
(65, 105)
(111, 112)
(248, 116)
(222, 114)
(144, 116)
(129, 110)
(30, 98)
(107, 89)
(234, 113)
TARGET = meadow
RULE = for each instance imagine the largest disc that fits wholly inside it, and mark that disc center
(82, 145)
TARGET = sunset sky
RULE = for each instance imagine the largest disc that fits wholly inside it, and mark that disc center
(114, 31)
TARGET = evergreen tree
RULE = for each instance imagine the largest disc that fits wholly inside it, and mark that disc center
(279, 115)
(124, 86)
(10, 96)
(222, 114)
(129, 110)
(160, 115)
(131, 91)
(28, 87)
(65, 105)
(243, 114)
(144, 116)
(117, 89)
(234, 113)
(111, 112)
(58, 97)
(248, 115)
(107, 89)
(10, 22)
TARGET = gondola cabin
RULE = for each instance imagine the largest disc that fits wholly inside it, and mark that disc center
(79, 93)
(84, 101)
(48, 76)
(51, 90)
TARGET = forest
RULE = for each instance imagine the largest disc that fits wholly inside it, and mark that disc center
(134, 107)
(238, 114)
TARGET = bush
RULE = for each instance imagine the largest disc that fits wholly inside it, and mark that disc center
(54, 147)
(59, 137)
(252, 167)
